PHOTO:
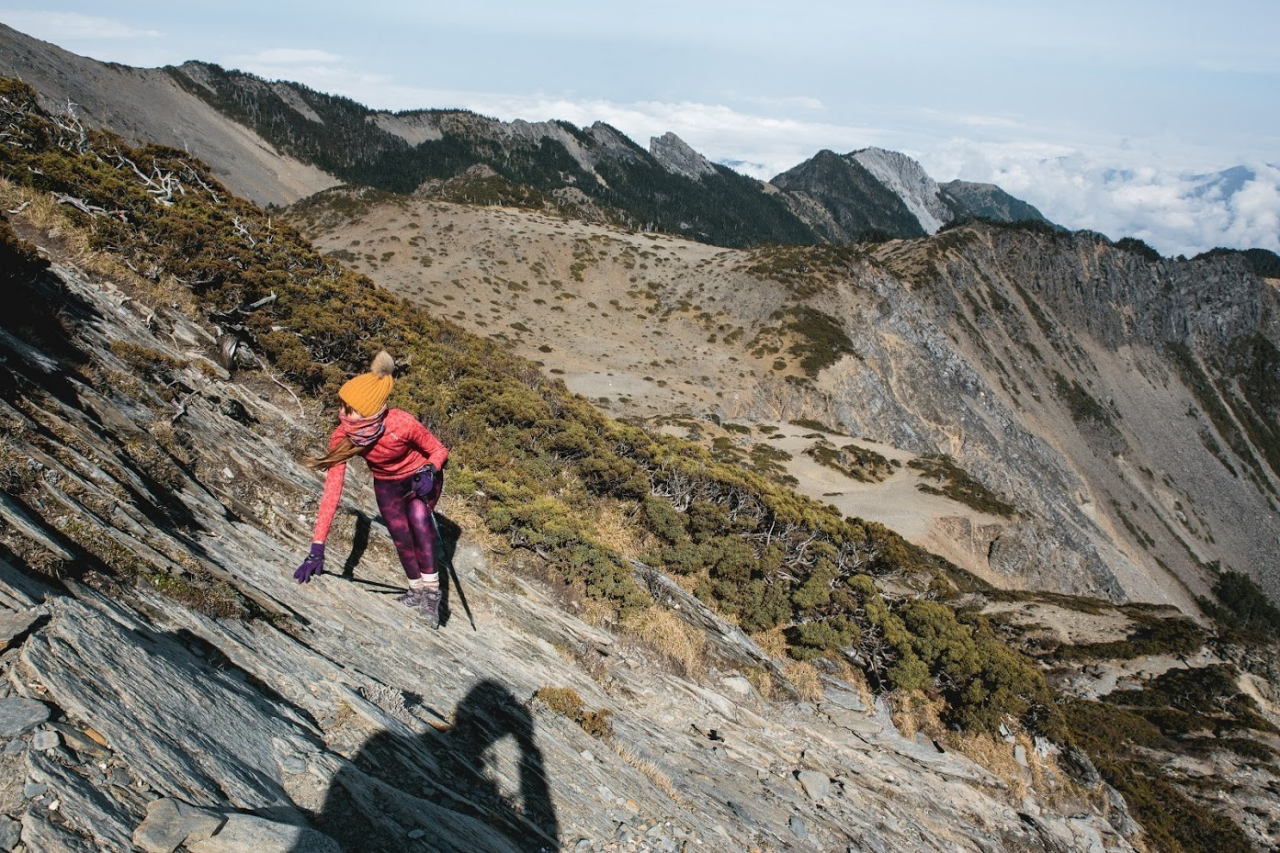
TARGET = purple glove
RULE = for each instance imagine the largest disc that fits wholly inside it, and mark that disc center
(422, 481)
(312, 566)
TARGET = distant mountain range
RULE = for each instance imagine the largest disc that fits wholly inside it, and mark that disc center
(593, 173)
(597, 170)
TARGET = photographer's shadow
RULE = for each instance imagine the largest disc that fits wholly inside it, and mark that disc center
(442, 791)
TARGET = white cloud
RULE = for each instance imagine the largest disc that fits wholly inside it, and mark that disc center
(64, 27)
(319, 69)
(1120, 193)
(939, 117)
(285, 56)
(803, 102)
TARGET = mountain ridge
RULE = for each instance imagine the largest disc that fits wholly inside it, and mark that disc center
(681, 193)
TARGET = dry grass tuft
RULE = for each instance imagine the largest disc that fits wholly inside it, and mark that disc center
(18, 474)
(33, 555)
(762, 680)
(915, 713)
(680, 645)
(651, 771)
(995, 756)
(615, 528)
(566, 702)
(804, 678)
(772, 642)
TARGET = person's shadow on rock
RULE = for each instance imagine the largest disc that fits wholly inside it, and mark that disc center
(445, 790)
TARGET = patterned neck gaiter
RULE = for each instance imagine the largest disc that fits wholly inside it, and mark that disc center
(364, 431)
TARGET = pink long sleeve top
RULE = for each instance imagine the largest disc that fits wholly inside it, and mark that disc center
(404, 446)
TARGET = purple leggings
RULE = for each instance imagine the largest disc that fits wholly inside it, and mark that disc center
(409, 522)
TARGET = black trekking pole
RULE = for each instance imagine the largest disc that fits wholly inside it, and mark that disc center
(453, 573)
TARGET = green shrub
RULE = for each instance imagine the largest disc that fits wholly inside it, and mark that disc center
(810, 640)
(856, 463)
(566, 702)
(958, 485)
(663, 520)
(1119, 742)
(1153, 635)
(1242, 607)
(821, 342)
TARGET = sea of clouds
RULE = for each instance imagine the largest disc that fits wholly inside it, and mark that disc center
(1176, 211)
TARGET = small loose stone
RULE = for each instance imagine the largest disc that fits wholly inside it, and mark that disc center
(44, 741)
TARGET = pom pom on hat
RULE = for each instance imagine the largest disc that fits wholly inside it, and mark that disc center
(367, 393)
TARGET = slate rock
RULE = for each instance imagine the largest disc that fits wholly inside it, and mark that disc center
(248, 834)
(10, 833)
(171, 823)
(18, 716)
(14, 625)
(816, 785)
(46, 740)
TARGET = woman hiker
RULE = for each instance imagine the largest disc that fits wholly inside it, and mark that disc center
(407, 463)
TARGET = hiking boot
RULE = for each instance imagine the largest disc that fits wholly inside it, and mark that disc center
(426, 602)
(430, 607)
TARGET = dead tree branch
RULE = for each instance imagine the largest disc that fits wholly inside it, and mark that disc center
(80, 204)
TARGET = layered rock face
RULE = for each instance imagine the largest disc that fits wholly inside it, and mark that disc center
(676, 156)
(909, 181)
(1107, 395)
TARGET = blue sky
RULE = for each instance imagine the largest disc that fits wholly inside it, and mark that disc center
(1101, 114)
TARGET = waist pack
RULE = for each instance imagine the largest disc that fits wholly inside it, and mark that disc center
(421, 482)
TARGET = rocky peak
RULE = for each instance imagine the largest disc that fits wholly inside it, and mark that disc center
(675, 155)
(910, 182)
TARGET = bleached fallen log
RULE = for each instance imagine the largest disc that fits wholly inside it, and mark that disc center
(80, 204)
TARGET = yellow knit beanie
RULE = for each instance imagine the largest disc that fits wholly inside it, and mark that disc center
(368, 392)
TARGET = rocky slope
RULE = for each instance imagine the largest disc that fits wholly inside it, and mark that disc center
(166, 685)
(876, 192)
(147, 105)
(151, 503)
(303, 718)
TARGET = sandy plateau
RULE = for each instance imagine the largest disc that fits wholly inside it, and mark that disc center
(646, 326)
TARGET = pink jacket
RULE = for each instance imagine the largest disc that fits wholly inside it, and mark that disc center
(404, 447)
